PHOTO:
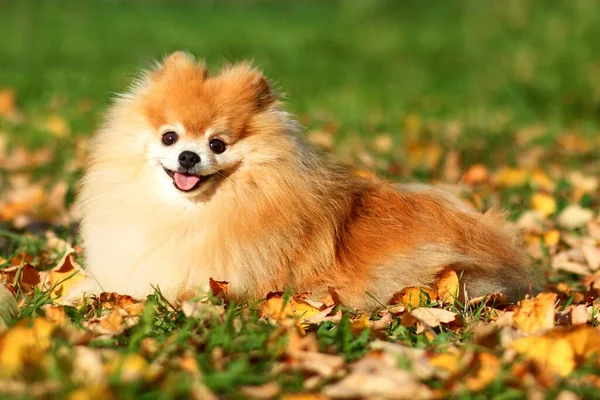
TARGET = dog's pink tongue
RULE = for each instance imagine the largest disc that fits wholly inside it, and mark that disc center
(185, 182)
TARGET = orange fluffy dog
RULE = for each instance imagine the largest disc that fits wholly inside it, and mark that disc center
(195, 177)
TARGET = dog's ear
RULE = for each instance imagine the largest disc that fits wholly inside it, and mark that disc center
(251, 81)
(180, 60)
(262, 90)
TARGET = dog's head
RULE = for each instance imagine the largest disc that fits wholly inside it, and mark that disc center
(199, 130)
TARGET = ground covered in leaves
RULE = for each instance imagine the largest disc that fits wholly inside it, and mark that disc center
(516, 127)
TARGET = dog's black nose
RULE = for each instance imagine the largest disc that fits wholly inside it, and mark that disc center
(187, 159)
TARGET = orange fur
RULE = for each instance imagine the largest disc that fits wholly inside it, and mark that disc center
(272, 214)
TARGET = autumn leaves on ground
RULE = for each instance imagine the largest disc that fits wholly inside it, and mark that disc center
(534, 153)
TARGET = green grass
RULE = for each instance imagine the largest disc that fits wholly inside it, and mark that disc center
(409, 69)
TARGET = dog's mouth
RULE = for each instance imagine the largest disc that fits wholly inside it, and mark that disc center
(187, 182)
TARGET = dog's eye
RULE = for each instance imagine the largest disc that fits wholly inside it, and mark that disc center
(169, 138)
(217, 146)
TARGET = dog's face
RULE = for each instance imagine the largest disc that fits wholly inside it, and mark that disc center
(203, 129)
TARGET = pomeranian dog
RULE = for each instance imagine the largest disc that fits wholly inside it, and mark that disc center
(194, 177)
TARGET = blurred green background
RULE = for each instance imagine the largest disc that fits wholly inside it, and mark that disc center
(364, 66)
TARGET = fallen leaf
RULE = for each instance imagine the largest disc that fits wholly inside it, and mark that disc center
(24, 346)
(592, 255)
(88, 366)
(579, 315)
(510, 177)
(383, 143)
(8, 308)
(268, 390)
(574, 216)
(540, 180)
(413, 296)
(476, 175)
(447, 286)
(536, 314)
(57, 126)
(218, 288)
(375, 377)
(486, 367)
(560, 350)
(428, 318)
(276, 307)
(543, 203)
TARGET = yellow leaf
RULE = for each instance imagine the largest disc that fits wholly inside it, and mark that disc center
(413, 296)
(543, 203)
(510, 177)
(361, 323)
(448, 362)
(62, 278)
(383, 143)
(131, 367)
(24, 344)
(57, 126)
(447, 286)
(561, 350)
(487, 367)
(552, 237)
(92, 392)
(275, 307)
(540, 180)
(554, 354)
(302, 308)
(424, 155)
(536, 314)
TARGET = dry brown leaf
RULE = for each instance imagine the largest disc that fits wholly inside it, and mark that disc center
(433, 316)
(201, 310)
(55, 314)
(268, 390)
(276, 307)
(536, 314)
(22, 277)
(304, 396)
(88, 366)
(476, 175)
(426, 318)
(419, 364)
(374, 376)
(492, 299)
(579, 315)
(587, 184)
(218, 288)
(592, 255)
(574, 216)
(564, 261)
